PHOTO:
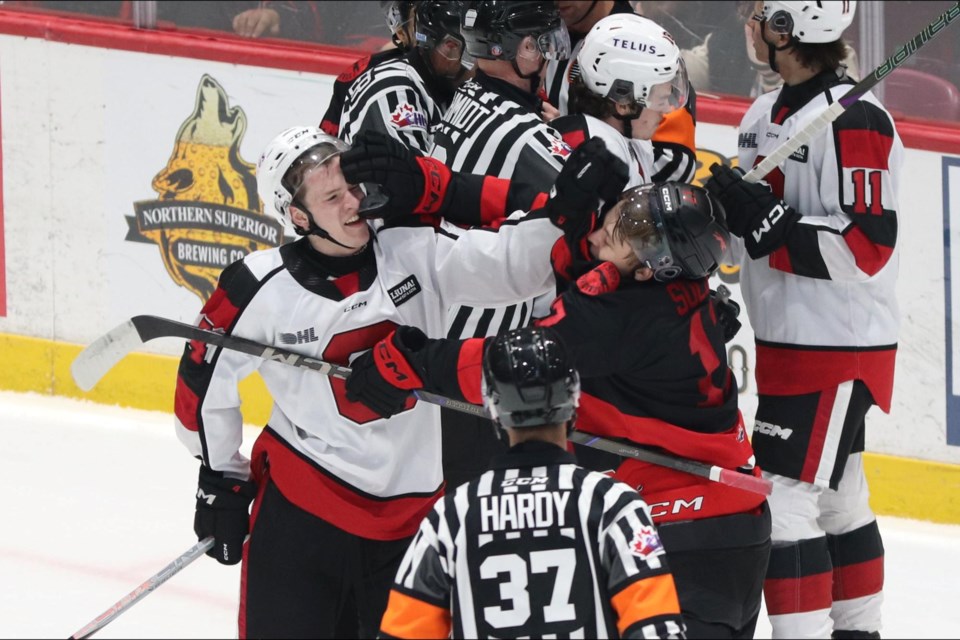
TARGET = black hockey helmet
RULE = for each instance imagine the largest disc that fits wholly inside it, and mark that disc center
(438, 21)
(529, 379)
(494, 29)
(675, 228)
(396, 13)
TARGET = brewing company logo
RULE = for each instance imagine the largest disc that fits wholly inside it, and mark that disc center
(207, 213)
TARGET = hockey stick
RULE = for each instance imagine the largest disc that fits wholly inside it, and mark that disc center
(146, 587)
(102, 354)
(833, 112)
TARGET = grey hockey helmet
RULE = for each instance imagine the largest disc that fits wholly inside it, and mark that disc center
(494, 29)
(529, 379)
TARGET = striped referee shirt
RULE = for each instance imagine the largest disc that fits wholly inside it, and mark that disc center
(493, 128)
(536, 547)
(398, 97)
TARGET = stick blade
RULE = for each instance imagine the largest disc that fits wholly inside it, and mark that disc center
(103, 354)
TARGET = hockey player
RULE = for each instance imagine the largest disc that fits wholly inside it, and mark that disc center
(337, 492)
(406, 97)
(399, 17)
(648, 342)
(674, 138)
(536, 547)
(818, 279)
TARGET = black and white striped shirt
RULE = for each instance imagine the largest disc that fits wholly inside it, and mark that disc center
(536, 547)
(397, 97)
(493, 128)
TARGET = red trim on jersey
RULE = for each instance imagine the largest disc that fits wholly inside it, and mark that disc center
(185, 403)
(797, 371)
(864, 148)
(493, 199)
(217, 313)
(729, 448)
(348, 284)
(315, 491)
(330, 128)
(775, 178)
(780, 260)
(798, 595)
(870, 256)
(818, 435)
(781, 115)
(469, 369)
(858, 580)
(353, 72)
(574, 138)
(557, 313)
(540, 200)
(674, 495)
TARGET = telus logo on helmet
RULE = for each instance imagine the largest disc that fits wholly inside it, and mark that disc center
(641, 47)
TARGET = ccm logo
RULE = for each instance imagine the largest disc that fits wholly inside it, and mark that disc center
(521, 482)
(660, 509)
(769, 429)
(772, 218)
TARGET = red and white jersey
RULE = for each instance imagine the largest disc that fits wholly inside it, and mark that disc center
(372, 477)
(636, 154)
(823, 307)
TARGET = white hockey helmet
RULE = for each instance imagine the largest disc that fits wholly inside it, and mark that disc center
(294, 147)
(807, 21)
(624, 56)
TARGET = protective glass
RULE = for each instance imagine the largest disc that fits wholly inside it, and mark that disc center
(309, 160)
(555, 45)
(641, 225)
(450, 47)
(665, 97)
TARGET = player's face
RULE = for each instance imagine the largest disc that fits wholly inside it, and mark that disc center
(609, 246)
(760, 49)
(334, 204)
(643, 127)
(573, 11)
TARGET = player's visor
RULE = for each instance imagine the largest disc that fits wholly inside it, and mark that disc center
(641, 225)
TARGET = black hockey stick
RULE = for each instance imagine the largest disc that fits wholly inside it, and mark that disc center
(833, 112)
(106, 351)
(145, 588)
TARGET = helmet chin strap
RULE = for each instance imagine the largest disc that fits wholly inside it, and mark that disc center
(317, 230)
(533, 76)
(772, 48)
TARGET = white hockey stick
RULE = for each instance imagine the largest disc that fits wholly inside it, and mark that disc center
(102, 354)
(145, 588)
(817, 125)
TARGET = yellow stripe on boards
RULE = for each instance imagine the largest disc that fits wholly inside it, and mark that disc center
(904, 487)
(139, 381)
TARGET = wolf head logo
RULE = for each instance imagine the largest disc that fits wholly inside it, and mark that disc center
(207, 213)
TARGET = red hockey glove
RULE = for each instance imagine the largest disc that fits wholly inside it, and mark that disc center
(410, 183)
(223, 512)
(753, 212)
(383, 377)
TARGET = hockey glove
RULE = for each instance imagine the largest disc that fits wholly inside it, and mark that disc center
(727, 312)
(591, 175)
(383, 377)
(223, 512)
(753, 212)
(410, 183)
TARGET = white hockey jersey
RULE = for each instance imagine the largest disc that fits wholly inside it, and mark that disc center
(823, 307)
(334, 458)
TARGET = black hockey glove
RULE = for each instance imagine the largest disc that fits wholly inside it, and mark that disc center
(383, 377)
(410, 184)
(753, 212)
(727, 312)
(223, 512)
(591, 175)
